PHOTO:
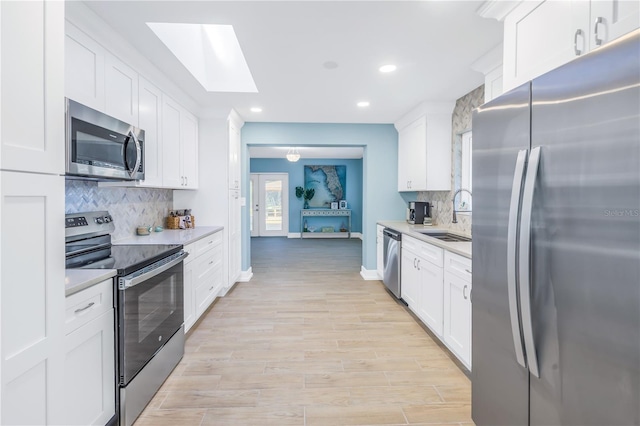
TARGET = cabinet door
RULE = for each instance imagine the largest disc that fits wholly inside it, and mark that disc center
(189, 149)
(84, 68)
(32, 298)
(431, 303)
(380, 250)
(412, 156)
(611, 19)
(121, 90)
(234, 155)
(32, 86)
(189, 303)
(150, 118)
(89, 373)
(457, 316)
(171, 176)
(410, 285)
(235, 237)
(540, 36)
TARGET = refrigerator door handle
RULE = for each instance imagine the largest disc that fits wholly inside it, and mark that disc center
(512, 240)
(524, 263)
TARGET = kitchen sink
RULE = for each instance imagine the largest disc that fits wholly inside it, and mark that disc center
(446, 236)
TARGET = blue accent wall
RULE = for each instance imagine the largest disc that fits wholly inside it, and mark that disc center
(296, 178)
(380, 197)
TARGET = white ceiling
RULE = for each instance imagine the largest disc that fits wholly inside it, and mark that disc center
(286, 43)
(306, 152)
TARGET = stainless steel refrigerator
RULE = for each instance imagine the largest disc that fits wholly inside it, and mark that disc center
(556, 246)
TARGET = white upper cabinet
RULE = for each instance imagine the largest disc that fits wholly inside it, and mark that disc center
(84, 68)
(540, 36)
(234, 154)
(424, 149)
(150, 119)
(611, 19)
(31, 89)
(412, 155)
(171, 176)
(180, 146)
(121, 87)
(189, 149)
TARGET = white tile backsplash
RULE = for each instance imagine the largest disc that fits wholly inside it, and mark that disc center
(442, 210)
(130, 207)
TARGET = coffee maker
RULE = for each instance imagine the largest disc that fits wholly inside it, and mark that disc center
(418, 213)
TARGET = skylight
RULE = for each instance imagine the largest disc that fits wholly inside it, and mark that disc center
(211, 53)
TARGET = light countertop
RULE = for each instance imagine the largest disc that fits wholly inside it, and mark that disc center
(79, 279)
(461, 248)
(172, 236)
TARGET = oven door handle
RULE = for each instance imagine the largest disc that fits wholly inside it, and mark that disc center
(126, 282)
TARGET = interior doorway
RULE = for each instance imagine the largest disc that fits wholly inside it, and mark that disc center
(269, 194)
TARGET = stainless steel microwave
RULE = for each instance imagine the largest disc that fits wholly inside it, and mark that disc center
(102, 147)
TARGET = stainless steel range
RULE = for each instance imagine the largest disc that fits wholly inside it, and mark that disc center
(148, 295)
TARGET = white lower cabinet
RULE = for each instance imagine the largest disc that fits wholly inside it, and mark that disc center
(436, 285)
(410, 288)
(457, 306)
(203, 276)
(89, 364)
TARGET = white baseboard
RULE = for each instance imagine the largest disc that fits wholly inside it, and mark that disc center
(369, 274)
(245, 276)
(309, 235)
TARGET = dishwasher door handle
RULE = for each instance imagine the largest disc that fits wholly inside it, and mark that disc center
(394, 235)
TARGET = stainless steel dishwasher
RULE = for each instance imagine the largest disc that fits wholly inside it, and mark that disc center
(391, 276)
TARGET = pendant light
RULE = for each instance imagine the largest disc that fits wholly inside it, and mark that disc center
(293, 155)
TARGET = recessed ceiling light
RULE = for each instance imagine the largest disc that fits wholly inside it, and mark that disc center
(330, 65)
(387, 68)
(363, 104)
(256, 109)
(211, 53)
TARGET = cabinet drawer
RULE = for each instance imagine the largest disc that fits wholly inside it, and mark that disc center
(457, 265)
(86, 305)
(207, 289)
(409, 243)
(208, 261)
(207, 243)
(431, 253)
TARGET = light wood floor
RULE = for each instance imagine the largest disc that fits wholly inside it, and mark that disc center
(308, 342)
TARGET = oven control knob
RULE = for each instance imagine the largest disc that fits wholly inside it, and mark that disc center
(107, 219)
(99, 220)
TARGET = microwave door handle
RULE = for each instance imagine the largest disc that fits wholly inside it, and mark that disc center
(138, 153)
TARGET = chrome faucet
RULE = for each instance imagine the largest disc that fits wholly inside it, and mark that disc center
(453, 200)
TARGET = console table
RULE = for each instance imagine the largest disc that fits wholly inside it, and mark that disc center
(324, 213)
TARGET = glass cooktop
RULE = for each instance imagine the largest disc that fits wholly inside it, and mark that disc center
(125, 258)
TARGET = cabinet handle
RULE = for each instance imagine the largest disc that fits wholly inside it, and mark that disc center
(578, 33)
(418, 264)
(210, 288)
(186, 181)
(211, 263)
(468, 270)
(464, 292)
(85, 308)
(597, 39)
(414, 263)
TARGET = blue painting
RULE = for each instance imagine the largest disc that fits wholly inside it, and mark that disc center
(329, 182)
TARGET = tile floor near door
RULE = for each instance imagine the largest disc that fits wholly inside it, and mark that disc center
(308, 342)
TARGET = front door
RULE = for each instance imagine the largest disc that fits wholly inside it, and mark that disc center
(269, 204)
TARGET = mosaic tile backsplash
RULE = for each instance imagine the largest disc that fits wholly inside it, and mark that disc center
(130, 207)
(442, 210)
